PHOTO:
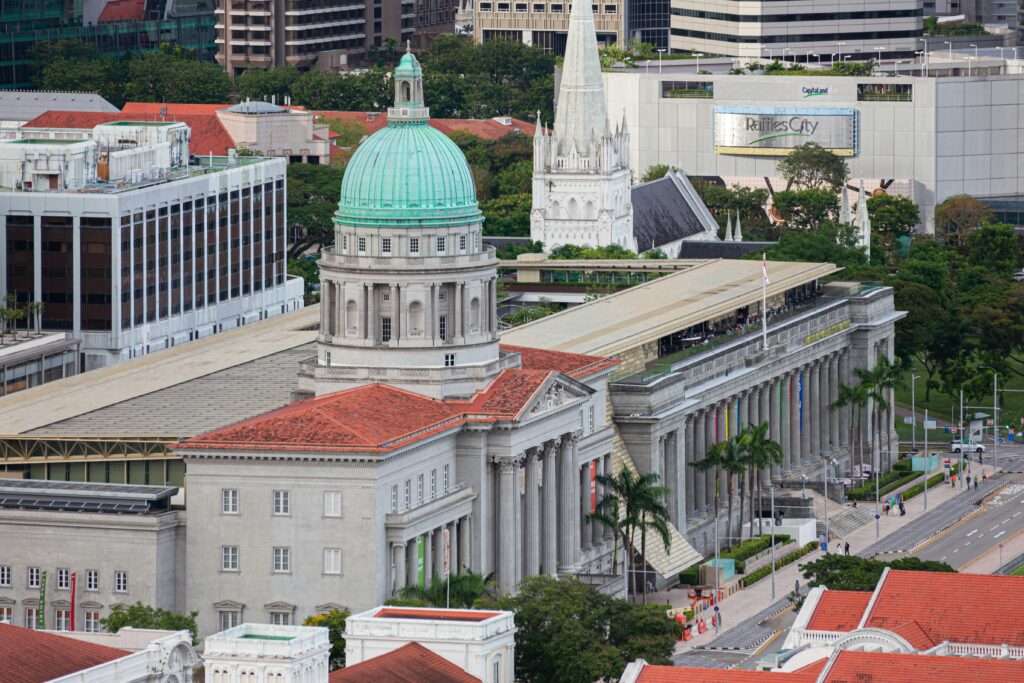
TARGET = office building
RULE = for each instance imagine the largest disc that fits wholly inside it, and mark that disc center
(545, 24)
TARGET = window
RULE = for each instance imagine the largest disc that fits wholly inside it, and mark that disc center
(344, 243)
(496, 670)
(688, 89)
(394, 498)
(63, 579)
(228, 619)
(282, 505)
(33, 577)
(462, 243)
(414, 245)
(419, 489)
(92, 622)
(433, 484)
(440, 245)
(444, 479)
(229, 558)
(92, 580)
(5, 575)
(6, 615)
(280, 618)
(884, 92)
(442, 327)
(282, 559)
(385, 329)
(229, 501)
(332, 560)
(62, 619)
(31, 617)
(385, 246)
(120, 582)
(332, 503)
(449, 358)
(408, 497)
(362, 246)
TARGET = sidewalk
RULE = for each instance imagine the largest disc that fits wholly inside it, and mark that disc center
(743, 604)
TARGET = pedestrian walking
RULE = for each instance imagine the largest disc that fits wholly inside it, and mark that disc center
(968, 481)
(846, 548)
(975, 483)
(796, 587)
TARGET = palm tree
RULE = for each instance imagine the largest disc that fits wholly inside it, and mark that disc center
(884, 377)
(857, 396)
(762, 453)
(721, 456)
(734, 465)
(608, 512)
(465, 589)
(35, 312)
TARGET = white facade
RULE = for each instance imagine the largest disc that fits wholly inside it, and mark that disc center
(723, 27)
(40, 166)
(262, 653)
(931, 138)
(580, 174)
(155, 657)
(481, 643)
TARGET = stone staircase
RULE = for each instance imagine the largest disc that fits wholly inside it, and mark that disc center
(843, 520)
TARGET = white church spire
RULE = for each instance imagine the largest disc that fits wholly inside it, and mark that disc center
(581, 113)
(863, 222)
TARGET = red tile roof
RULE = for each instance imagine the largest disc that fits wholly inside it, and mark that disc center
(679, 674)
(487, 129)
(208, 134)
(438, 614)
(410, 663)
(876, 667)
(122, 10)
(839, 610)
(960, 608)
(29, 656)
(177, 109)
(379, 418)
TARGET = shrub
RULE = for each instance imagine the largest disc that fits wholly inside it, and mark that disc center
(933, 481)
(690, 576)
(753, 546)
(889, 481)
(902, 466)
(754, 577)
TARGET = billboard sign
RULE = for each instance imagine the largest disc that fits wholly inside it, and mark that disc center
(776, 131)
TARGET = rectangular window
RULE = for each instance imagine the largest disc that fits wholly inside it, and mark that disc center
(462, 243)
(5, 575)
(433, 484)
(344, 244)
(414, 245)
(33, 577)
(394, 498)
(408, 495)
(444, 479)
(385, 328)
(62, 619)
(229, 501)
(332, 503)
(228, 619)
(419, 490)
(688, 89)
(120, 582)
(362, 246)
(440, 245)
(385, 246)
(442, 327)
(92, 622)
(332, 560)
(6, 615)
(31, 617)
(92, 580)
(63, 579)
(449, 358)
(885, 92)
(282, 505)
(229, 558)
(280, 618)
(282, 560)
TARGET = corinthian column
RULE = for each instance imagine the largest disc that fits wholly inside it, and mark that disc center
(532, 514)
(506, 545)
(550, 485)
(812, 404)
(569, 508)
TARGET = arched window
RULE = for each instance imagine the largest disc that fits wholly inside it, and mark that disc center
(572, 208)
(474, 315)
(496, 672)
(591, 214)
(406, 91)
(556, 209)
(415, 319)
(351, 316)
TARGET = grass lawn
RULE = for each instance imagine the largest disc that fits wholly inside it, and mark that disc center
(1019, 571)
(935, 436)
(943, 407)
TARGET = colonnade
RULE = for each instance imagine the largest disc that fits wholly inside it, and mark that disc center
(405, 554)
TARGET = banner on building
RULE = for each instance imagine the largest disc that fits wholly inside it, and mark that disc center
(447, 552)
(776, 131)
(74, 585)
(421, 576)
(593, 486)
(41, 614)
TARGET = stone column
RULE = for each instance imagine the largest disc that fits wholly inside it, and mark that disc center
(765, 416)
(823, 401)
(805, 416)
(600, 530)
(435, 310)
(709, 440)
(458, 327)
(812, 403)
(465, 544)
(566, 505)
(550, 485)
(676, 481)
(774, 413)
(690, 473)
(794, 421)
(586, 532)
(835, 429)
(506, 544)
(428, 557)
(844, 412)
(754, 407)
(396, 315)
(412, 560)
(698, 434)
(453, 540)
(398, 559)
(610, 471)
(532, 514)
(742, 411)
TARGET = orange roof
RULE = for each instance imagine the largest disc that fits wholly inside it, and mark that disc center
(177, 108)
(122, 10)
(380, 418)
(208, 134)
(438, 614)
(679, 674)
(960, 608)
(876, 667)
(839, 610)
(487, 129)
(30, 656)
(410, 663)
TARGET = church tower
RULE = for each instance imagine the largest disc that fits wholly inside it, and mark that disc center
(408, 290)
(581, 183)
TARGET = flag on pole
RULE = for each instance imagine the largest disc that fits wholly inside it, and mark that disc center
(764, 268)
(74, 583)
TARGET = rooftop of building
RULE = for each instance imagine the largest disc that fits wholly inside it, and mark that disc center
(24, 346)
(411, 663)
(25, 105)
(487, 129)
(420, 613)
(839, 610)
(59, 496)
(31, 656)
(248, 641)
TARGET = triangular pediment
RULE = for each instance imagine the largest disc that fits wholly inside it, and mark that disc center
(555, 393)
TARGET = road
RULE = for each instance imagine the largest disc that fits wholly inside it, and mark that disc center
(1001, 520)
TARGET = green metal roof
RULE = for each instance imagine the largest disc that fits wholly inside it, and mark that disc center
(408, 67)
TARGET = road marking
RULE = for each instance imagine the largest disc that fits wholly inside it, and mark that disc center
(1000, 534)
(956, 551)
(943, 558)
(1018, 514)
(968, 543)
(994, 528)
(972, 533)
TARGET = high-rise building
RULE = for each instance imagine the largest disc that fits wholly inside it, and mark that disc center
(546, 24)
(581, 182)
(265, 34)
(764, 30)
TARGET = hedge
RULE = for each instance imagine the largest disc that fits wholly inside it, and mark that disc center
(933, 481)
(754, 577)
(902, 466)
(890, 481)
(753, 546)
(690, 576)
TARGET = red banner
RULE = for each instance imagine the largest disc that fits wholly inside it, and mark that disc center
(593, 486)
(74, 582)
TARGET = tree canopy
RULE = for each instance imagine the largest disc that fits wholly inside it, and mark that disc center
(811, 166)
(852, 573)
(144, 616)
(334, 622)
(958, 215)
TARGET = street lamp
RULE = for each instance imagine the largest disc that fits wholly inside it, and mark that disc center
(995, 414)
(661, 51)
(785, 53)
(950, 54)
(927, 460)
(829, 461)
(839, 49)
(879, 54)
(699, 55)
(913, 412)
(975, 50)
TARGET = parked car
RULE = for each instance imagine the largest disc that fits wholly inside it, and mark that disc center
(958, 446)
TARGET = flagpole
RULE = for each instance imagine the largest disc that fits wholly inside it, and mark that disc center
(764, 301)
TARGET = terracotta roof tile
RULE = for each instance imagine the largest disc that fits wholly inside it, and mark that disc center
(177, 109)
(575, 365)
(122, 10)
(410, 663)
(961, 608)
(877, 667)
(440, 614)
(487, 129)
(208, 134)
(839, 610)
(678, 674)
(509, 393)
(30, 656)
(915, 635)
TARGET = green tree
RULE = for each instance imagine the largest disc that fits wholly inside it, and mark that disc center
(507, 215)
(852, 573)
(144, 616)
(463, 590)
(656, 172)
(312, 200)
(512, 251)
(892, 216)
(575, 252)
(721, 456)
(933, 333)
(86, 74)
(994, 249)
(750, 204)
(568, 632)
(656, 254)
(259, 84)
(812, 167)
(309, 271)
(832, 243)
(175, 75)
(334, 622)
(527, 314)
(760, 453)
(515, 179)
(807, 209)
(958, 215)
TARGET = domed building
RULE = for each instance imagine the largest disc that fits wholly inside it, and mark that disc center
(408, 290)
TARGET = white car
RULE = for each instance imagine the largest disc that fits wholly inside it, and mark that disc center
(958, 446)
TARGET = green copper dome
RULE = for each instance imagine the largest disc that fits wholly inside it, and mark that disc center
(408, 174)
